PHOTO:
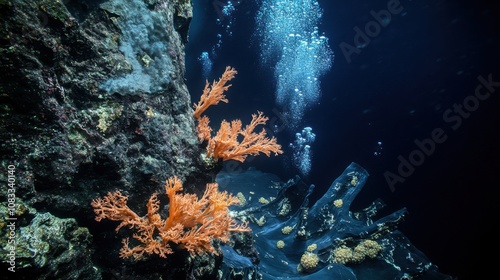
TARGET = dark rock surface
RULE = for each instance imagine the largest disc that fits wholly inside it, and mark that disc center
(93, 99)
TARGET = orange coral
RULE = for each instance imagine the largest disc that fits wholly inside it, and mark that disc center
(192, 223)
(226, 144)
(204, 130)
(214, 94)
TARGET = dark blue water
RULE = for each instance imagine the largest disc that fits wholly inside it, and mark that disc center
(406, 84)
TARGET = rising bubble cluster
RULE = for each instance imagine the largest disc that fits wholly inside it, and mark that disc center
(302, 150)
(291, 44)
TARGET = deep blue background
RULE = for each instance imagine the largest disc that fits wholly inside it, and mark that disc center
(394, 91)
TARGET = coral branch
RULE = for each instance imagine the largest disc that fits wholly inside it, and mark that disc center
(214, 94)
(192, 223)
(114, 207)
(204, 130)
(226, 144)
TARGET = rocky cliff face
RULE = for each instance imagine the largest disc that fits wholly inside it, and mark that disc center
(93, 100)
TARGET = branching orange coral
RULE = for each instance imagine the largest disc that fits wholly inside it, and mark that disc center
(204, 130)
(231, 141)
(192, 223)
(214, 94)
(226, 144)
